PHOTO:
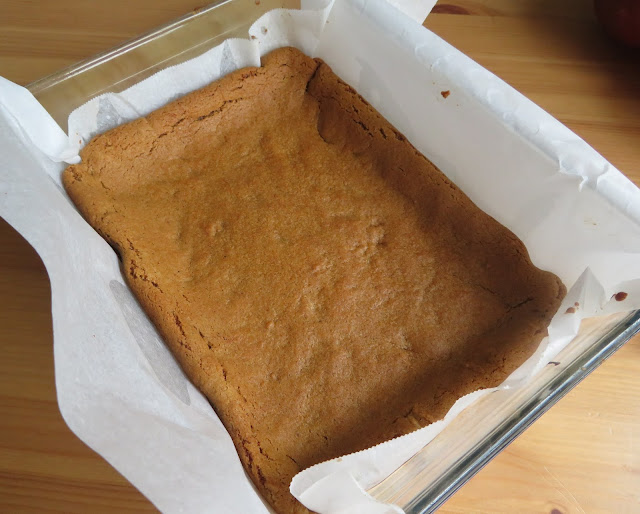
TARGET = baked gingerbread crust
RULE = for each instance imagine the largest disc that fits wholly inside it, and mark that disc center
(322, 282)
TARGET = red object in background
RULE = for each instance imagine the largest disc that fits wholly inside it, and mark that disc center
(621, 19)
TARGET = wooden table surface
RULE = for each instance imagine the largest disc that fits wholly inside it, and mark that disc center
(582, 456)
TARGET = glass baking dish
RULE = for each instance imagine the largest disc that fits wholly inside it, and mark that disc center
(424, 482)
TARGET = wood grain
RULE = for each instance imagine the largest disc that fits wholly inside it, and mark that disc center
(582, 456)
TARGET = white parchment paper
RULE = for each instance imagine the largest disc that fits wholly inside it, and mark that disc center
(120, 390)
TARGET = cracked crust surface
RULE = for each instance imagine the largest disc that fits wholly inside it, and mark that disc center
(322, 283)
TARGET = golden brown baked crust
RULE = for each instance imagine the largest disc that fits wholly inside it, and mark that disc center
(319, 280)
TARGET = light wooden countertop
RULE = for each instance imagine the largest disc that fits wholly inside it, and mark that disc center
(582, 456)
